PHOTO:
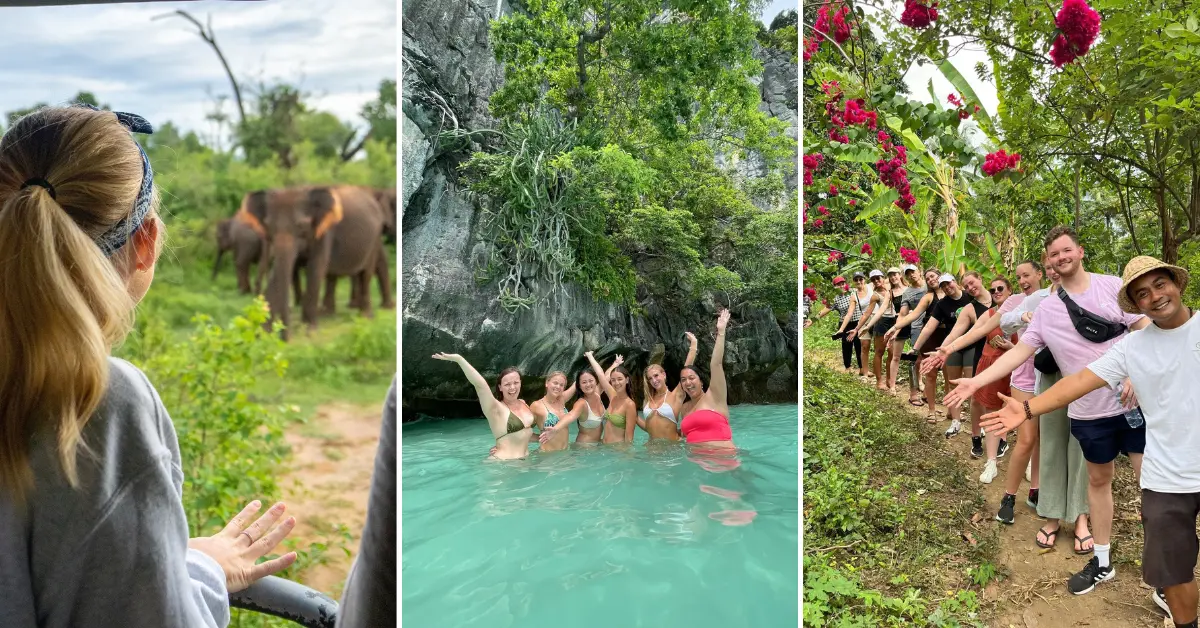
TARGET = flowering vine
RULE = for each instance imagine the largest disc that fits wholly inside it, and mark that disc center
(995, 163)
(910, 256)
(811, 164)
(917, 14)
(892, 172)
(963, 112)
(866, 249)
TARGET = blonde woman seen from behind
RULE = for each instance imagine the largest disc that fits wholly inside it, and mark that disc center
(95, 537)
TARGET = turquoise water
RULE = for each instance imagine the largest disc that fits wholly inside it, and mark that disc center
(606, 537)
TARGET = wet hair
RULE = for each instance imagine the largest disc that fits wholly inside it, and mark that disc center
(647, 389)
(73, 192)
(503, 374)
(579, 380)
(1058, 232)
(628, 380)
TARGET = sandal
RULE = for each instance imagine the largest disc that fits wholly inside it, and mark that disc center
(1079, 543)
(917, 403)
(1051, 537)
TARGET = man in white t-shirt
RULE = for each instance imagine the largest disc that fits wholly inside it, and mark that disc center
(1162, 361)
(1098, 418)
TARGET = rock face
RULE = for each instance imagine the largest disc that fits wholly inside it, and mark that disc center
(449, 72)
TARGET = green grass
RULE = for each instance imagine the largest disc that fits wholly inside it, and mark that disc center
(885, 509)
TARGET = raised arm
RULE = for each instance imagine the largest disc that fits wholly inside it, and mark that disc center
(716, 367)
(601, 375)
(692, 346)
(617, 362)
(491, 406)
(568, 393)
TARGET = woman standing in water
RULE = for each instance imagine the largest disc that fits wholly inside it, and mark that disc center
(510, 418)
(590, 427)
(706, 412)
(659, 417)
(621, 414)
(551, 409)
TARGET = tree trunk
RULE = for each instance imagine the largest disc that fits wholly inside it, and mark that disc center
(1170, 246)
(1078, 174)
(210, 38)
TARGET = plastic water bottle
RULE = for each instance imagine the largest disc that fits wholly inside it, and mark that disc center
(1133, 416)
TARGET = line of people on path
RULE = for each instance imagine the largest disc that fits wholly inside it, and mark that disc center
(1089, 368)
(695, 411)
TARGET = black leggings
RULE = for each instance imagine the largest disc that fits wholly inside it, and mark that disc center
(846, 348)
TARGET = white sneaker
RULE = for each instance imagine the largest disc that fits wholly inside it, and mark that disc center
(1029, 471)
(989, 472)
(955, 427)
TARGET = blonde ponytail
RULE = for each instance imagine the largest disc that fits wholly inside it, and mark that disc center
(63, 303)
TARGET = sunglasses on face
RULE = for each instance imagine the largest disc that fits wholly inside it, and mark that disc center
(997, 290)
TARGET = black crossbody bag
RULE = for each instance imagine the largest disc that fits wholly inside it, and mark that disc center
(1093, 328)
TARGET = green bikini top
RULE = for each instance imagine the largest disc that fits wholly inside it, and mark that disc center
(515, 424)
(616, 419)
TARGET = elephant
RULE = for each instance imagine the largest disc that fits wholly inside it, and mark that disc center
(387, 201)
(243, 235)
(335, 229)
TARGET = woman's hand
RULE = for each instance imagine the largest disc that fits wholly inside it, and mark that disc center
(237, 547)
(722, 320)
(932, 363)
(449, 357)
(850, 336)
(1027, 317)
(619, 361)
(692, 337)
(807, 323)
(891, 334)
(1002, 343)
(963, 389)
(547, 434)
(1006, 419)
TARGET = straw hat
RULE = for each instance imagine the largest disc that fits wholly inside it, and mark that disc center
(1139, 266)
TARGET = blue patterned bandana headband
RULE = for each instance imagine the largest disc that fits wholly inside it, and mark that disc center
(116, 237)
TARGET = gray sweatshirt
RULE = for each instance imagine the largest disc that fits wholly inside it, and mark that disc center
(114, 552)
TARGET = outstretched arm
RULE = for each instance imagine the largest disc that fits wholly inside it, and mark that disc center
(961, 325)
(564, 422)
(1002, 367)
(1068, 389)
(491, 406)
(600, 375)
(907, 317)
(982, 328)
(716, 385)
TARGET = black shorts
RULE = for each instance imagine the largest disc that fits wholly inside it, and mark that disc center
(905, 333)
(882, 326)
(1102, 440)
(966, 357)
(1170, 546)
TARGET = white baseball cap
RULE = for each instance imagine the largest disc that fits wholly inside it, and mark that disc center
(944, 278)
(876, 273)
(908, 267)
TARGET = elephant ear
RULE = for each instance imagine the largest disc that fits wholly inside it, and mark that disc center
(254, 212)
(325, 208)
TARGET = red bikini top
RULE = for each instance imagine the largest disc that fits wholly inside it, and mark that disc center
(704, 426)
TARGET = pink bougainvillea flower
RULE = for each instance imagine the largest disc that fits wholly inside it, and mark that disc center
(866, 249)
(953, 99)
(806, 268)
(910, 256)
(882, 137)
(841, 26)
(823, 210)
(833, 191)
(917, 14)
(818, 223)
(811, 163)
(834, 256)
(811, 293)
(1078, 25)
(852, 202)
(997, 162)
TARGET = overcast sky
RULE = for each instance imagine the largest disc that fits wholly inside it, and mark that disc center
(338, 50)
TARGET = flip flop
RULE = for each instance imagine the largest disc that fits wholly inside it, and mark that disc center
(1051, 537)
(1081, 542)
(916, 402)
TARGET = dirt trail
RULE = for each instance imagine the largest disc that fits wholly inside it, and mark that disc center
(328, 484)
(1034, 595)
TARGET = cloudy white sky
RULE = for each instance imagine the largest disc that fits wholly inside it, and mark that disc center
(775, 7)
(338, 50)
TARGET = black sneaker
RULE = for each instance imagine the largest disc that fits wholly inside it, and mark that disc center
(976, 446)
(1088, 577)
(1032, 500)
(1002, 449)
(1006, 509)
(1160, 599)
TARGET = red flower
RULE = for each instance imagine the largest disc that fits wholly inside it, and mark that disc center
(835, 256)
(999, 161)
(882, 137)
(806, 268)
(811, 293)
(917, 15)
(953, 99)
(866, 249)
(824, 211)
(811, 163)
(853, 202)
(910, 256)
(1078, 25)
(841, 26)
(818, 223)
(833, 191)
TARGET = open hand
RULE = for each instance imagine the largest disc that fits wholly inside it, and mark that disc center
(850, 336)
(932, 363)
(449, 357)
(619, 361)
(1007, 418)
(237, 547)
(547, 434)
(963, 389)
(890, 335)
(722, 319)
(692, 337)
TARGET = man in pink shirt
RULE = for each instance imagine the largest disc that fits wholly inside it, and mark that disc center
(1098, 418)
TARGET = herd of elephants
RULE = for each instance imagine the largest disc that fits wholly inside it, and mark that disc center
(319, 232)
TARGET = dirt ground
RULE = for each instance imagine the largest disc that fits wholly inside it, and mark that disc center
(328, 485)
(1034, 593)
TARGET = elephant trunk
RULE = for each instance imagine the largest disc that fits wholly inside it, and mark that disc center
(283, 261)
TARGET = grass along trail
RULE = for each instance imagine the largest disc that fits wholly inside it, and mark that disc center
(1031, 591)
